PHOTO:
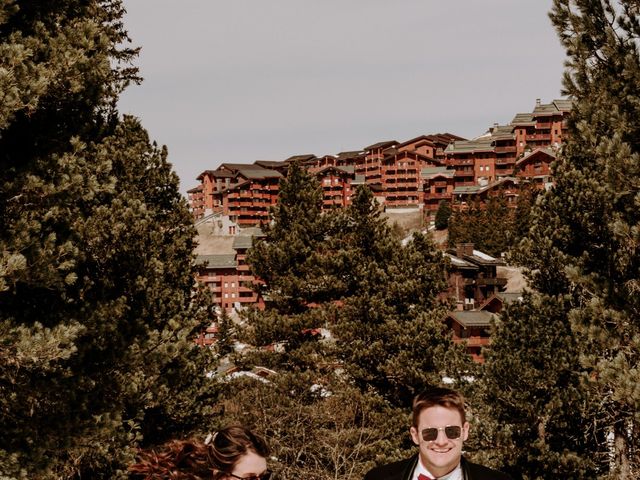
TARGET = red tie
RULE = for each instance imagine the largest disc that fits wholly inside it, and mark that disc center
(424, 477)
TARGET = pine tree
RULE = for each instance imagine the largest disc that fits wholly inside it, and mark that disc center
(531, 395)
(96, 282)
(289, 258)
(390, 334)
(442, 215)
(582, 250)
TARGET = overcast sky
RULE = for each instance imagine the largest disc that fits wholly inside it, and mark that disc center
(245, 80)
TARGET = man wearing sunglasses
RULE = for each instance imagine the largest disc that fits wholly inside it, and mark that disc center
(439, 429)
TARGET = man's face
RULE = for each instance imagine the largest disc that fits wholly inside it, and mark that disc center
(442, 455)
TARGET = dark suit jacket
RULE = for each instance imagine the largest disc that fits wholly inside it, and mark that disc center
(404, 469)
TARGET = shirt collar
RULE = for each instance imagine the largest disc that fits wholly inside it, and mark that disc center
(455, 474)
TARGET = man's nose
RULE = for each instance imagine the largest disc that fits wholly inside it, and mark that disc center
(441, 439)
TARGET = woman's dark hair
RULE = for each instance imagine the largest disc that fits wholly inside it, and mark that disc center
(196, 460)
(228, 445)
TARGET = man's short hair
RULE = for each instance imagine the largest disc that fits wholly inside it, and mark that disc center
(438, 396)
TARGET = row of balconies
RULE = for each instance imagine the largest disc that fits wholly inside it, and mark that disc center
(540, 136)
(506, 149)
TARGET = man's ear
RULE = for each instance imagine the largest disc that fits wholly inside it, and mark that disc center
(414, 435)
(465, 431)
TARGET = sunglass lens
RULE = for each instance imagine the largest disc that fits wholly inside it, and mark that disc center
(452, 432)
(429, 434)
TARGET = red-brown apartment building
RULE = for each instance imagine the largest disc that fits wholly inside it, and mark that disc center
(465, 196)
(536, 167)
(221, 262)
(546, 126)
(473, 327)
(438, 185)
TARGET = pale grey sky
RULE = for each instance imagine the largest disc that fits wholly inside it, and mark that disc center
(243, 80)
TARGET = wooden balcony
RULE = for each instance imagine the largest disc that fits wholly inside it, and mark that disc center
(491, 282)
(437, 196)
(506, 149)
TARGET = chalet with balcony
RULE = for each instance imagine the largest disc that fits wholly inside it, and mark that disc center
(437, 186)
(305, 160)
(472, 276)
(337, 185)
(422, 145)
(253, 191)
(471, 159)
(371, 165)
(221, 262)
(278, 166)
(546, 126)
(473, 328)
(536, 167)
(349, 158)
(504, 145)
(465, 196)
(212, 183)
(196, 201)
(401, 177)
(496, 302)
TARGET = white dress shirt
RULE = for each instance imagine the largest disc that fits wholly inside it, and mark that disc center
(455, 474)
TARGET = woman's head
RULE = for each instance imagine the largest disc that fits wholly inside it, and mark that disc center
(233, 453)
(238, 453)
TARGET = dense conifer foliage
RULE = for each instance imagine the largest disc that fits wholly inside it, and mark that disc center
(442, 215)
(582, 257)
(96, 285)
(353, 328)
(493, 227)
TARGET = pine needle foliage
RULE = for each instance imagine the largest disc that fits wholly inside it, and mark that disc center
(582, 257)
(96, 281)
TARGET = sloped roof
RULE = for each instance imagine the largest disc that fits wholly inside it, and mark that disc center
(473, 318)
(254, 172)
(553, 108)
(242, 242)
(270, 163)
(501, 298)
(301, 158)
(348, 169)
(386, 143)
(217, 261)
(420, 139)
(431, 172)
(199, 188)
(253, 231)
(523, 119)
(482, 144)
(233, 167)
(564, 104)
(482, 258)
(215, 173)
(473, 189)
(444, 137)
(460, 263)
(538, 151)
(351, 154)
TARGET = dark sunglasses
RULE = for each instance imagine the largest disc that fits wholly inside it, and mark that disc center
(266, 475)
(451, 431)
